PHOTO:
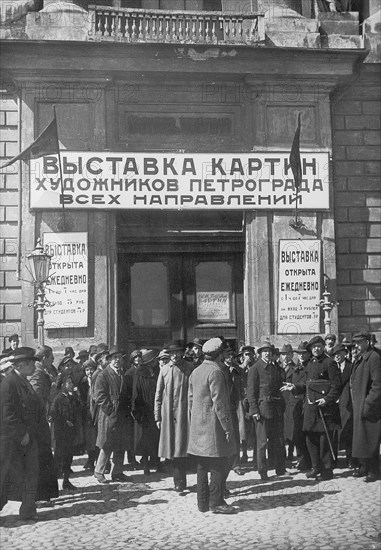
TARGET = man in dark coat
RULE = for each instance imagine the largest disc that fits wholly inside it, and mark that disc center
(146, 434)
(44, 375)
(345, 432)
(365, 386)
(287, 364)
(211, 437)
(65, 412)
(267, 406)
(112, 393)
(293, 416)
(321, 411)
(24, 439)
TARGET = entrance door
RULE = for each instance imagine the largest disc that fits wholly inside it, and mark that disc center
(179, 296)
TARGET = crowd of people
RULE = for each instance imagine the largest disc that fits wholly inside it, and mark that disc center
(196, 407)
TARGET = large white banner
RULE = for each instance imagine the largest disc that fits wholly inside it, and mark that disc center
(299, 286)
(257, 180)
(68, 289)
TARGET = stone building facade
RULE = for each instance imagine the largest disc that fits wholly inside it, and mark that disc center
(193, 87)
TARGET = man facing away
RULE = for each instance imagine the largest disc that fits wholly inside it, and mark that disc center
(211, 437)
(171, 412)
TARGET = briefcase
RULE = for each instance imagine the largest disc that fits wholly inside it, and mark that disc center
(317, 389)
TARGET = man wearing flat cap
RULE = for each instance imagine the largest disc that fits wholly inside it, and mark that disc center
(267, 407)
(112, 393)
(171, 411)
(211, 437)
(365, 383)
(322, 386)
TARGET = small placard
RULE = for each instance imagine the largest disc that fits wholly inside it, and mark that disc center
(213, 306)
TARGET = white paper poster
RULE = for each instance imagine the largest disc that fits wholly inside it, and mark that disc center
(299, 286)
(68, 289)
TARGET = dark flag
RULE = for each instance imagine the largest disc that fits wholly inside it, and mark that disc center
(295, 162)
(45, 144)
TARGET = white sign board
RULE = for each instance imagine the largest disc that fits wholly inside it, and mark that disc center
(299, 286)
(68, 288)
(213, 306)
(239, 181)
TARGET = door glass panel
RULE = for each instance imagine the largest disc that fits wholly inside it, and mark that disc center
(214, 292)
(149, 294)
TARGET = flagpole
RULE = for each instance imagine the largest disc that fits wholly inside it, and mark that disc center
(61, 176)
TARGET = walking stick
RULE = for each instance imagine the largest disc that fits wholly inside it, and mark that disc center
(326, 433)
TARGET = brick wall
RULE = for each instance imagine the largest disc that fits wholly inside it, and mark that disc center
(10, 287)
(356, 151)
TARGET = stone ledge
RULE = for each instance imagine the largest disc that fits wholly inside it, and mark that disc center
(341, 42)
(293, 40)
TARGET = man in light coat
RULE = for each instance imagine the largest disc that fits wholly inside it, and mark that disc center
(365, 383)
(211, 438)
(171, 412)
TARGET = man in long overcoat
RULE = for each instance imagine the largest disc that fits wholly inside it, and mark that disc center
(366, 397)
(345, 432)
(293, 416)
(27, 471)
(171, 411)
(112, 393)
(322, 386)
(211, 435)
(267, 408)
(146, 434)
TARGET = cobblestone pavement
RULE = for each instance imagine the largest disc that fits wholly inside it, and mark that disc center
(283, 513)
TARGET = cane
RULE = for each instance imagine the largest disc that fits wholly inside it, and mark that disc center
(326, 433)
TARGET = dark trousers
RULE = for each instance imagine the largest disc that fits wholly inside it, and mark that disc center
(371, 465)
(63, 456)
(318, 448)
(180, 471)
(301, 449)
(270, 437)
(210, 494)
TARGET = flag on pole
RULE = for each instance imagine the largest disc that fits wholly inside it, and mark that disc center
(45, 144)
(295, 162)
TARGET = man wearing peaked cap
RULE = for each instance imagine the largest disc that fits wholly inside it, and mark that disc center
(267, 407)
(211, 437)
(321, 412)
(5, 365)
(171, 411)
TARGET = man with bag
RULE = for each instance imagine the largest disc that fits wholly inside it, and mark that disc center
(322, 386)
